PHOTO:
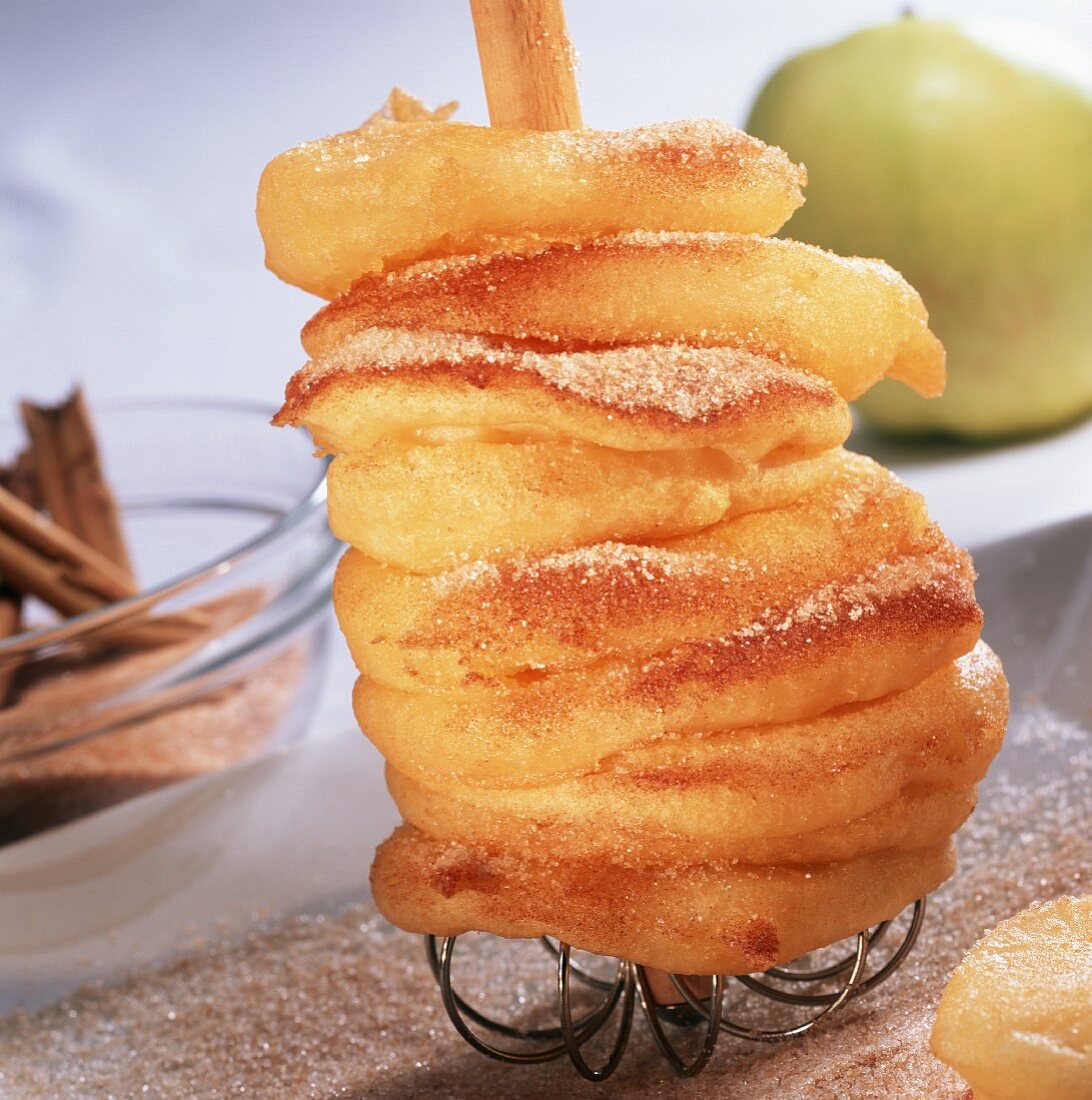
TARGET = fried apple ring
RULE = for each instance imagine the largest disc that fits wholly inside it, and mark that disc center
(464, 449)
(428, 507)
(392, 192)
(727, 790)
(419, 386)
(843, 643)
(709, 918)
(568, 609)
(1015, 1019)
(918, 817)
(851, 321)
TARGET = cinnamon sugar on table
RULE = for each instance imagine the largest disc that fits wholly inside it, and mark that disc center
(343, 1006)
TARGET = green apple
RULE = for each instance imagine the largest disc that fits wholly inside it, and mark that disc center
(962, 155)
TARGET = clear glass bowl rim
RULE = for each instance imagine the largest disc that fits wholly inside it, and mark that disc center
(312, 501)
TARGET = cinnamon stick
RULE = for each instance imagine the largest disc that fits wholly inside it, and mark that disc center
(40, 558)
(70, 477)
(17, 479)
(11, 607)
(528, 64)
(29, 541)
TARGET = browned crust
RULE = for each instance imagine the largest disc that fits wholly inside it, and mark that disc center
(687, 919)
(460, 289)
(571, 599)
(939, 607)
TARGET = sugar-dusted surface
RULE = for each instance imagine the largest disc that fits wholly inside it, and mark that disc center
(851, 321)
(343, 1006)
(684, 383)
(390, 193)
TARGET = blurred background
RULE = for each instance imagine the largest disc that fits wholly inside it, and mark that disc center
(132, 135)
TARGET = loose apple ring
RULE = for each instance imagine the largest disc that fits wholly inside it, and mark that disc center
(845, 642)
(850, 321)
(574, 607)
(393, 192)
(1015, 1019)
(704, 918)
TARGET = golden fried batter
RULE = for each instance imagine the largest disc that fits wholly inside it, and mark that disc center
(570, 608)
(918, 817)
(850, 321)
(704, 918)
(401, 384)
(730, 791)
(1016, 1017)
(393, 192)
(842, 643)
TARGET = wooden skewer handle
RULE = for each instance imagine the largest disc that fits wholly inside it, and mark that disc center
(528, 64)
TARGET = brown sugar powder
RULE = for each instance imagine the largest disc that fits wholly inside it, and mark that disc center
(159, 742)
(342, 1005)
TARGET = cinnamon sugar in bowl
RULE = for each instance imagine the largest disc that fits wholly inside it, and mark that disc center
(220, 654)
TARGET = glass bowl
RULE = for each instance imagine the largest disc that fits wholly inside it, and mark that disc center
(220, 655)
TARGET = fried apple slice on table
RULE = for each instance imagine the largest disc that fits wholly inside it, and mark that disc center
(1015, 1019)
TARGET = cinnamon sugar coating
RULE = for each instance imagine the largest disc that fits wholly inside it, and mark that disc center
(844, 643)
(471, 449)
(851, 321)
(397, 382)
(705, 918)
(895, 772)
(571, 607)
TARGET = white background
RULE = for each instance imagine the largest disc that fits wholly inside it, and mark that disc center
(132, 136)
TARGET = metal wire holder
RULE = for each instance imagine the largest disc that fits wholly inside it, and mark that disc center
(824, 989)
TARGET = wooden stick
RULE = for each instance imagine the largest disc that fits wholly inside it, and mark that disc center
(70, 478)
(528, 64)
(11, 615)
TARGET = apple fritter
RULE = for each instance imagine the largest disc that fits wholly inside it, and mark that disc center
(844, 643)
(656, 666)
(571, 608)
(429, 507)
(851, 321)
(726, 790)
(393, 192)
(1015, 1019)
(431, 387)
(918, 817)
(705, 918)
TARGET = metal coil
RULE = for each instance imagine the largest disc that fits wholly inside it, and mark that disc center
(705, 1009)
